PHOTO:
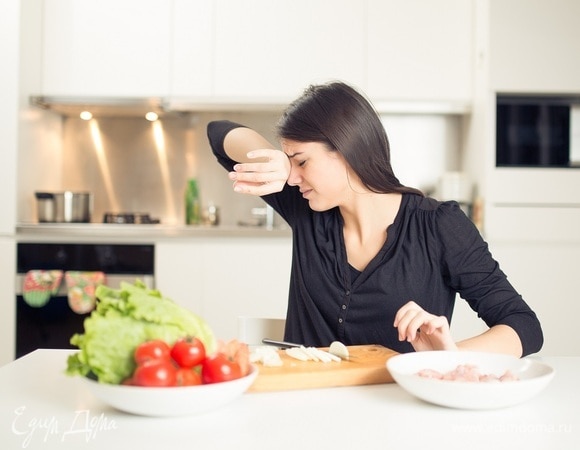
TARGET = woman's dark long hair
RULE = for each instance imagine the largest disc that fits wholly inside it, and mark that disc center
(338, 116)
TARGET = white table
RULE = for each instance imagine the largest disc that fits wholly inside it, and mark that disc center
(41, 408)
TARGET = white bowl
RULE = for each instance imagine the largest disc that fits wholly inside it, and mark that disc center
(170, 401)
(533, 376)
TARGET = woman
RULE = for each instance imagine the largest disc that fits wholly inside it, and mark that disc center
(374, 262)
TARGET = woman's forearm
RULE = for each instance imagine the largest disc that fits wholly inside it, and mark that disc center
(500, 338)
(239, 141)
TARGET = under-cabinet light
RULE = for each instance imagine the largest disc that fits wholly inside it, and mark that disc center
(86, 115)
(151, 116)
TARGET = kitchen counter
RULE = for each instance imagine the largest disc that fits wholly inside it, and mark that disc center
(69, 232)
(42, 408)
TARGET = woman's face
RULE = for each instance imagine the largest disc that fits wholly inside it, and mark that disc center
(323, 176)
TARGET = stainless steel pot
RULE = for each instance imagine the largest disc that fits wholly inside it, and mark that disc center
(67, 207)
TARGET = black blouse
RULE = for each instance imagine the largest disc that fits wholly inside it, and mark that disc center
(432, 252)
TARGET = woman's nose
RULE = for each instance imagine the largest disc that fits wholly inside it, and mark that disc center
(294, 178)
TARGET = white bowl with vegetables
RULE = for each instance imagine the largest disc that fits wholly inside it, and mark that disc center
(143, 354)
(170, 401)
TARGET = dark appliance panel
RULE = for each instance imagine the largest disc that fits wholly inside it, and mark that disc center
(533, 131)
(52, 325)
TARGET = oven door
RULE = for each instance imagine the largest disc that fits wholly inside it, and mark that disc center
(55, 322)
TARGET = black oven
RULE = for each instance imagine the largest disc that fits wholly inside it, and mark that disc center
(52, 324)
(537, 130)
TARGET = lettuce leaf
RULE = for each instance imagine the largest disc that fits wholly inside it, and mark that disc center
(123, 319)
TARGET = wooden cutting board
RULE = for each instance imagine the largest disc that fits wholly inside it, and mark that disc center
(367, 365)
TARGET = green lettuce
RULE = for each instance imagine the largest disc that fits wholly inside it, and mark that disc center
(123, 319)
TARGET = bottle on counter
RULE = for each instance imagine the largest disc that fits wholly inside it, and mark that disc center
(192, 203)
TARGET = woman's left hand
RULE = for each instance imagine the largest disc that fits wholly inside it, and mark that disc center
(423, 330)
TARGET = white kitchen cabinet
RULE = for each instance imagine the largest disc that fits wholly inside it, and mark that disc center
(524, 46)
(7, 299)
(534, 223)
(222, 278)
(179, 272)
(106, 48)
(534, 186)
(274, 49)
(546, 274)
(420, 50)
(192, 51)
(215, 52)
(9, 85)
(245, 277)
(531, 215)
(534, 46)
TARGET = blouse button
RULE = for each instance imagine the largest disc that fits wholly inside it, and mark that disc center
(343, 306)
(339, 320)
(347, 292)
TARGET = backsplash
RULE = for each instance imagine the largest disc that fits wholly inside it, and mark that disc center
(132, 165)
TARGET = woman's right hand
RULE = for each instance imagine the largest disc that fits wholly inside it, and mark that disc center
(267, 175)
(425, 331)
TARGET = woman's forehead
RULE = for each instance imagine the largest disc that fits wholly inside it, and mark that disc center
(293, 148)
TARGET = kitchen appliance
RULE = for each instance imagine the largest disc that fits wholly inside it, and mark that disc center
(52, 325)
(537, 131)
(129, 218)
(64, 206)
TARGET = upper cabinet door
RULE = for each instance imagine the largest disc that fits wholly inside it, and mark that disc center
(420, 50)
(274, 49)
(107, 47)
(192, 53)
(535, 46)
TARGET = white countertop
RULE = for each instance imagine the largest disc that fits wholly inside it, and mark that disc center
(41, 408)
(84, 232)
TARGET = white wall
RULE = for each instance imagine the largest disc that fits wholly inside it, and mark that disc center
(9, 32)
(9, 36)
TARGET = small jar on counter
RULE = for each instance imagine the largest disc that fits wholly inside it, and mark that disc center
(212, 215)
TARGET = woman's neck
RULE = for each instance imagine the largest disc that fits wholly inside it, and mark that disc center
(369, 212)
(366, 220)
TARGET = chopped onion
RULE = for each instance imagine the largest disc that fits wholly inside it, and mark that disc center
(268, 356)
(339, 349)
(311, 354)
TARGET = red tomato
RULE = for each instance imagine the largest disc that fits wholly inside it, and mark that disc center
(155, 373)
(188, 352)
(217, 368)
(187, 377)
(152, 351)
